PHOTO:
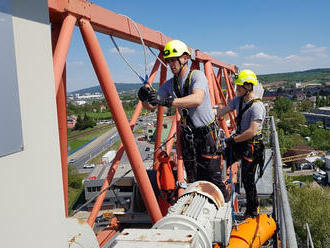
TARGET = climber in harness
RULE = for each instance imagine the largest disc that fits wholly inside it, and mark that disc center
(188, 91)
(246, 144)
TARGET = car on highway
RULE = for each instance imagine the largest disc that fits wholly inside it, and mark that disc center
(320, 177)
(147, 149)
(88, 166)
(72, 161)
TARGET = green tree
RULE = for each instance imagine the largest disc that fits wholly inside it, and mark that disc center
(74, 179)
(320, 164)
(288, 141)
(283, 105)
(292, 122)
(311, 205)
(305, 106)
(305, 131)
(79, 123)
(320, 139)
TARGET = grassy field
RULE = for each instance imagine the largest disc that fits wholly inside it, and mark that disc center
(85, 136)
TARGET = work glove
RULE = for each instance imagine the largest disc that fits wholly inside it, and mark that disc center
(230, 141)
(144, 93)
(155, 99)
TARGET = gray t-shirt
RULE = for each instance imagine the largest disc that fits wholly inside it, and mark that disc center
(256, 112)
(202, 114)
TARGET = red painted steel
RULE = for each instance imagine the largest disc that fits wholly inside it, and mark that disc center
(108, 22)
(230, 89)
(61, 119)
(160, 118)
(217, 90)
(119, 154)
(208, 72)
(223, 100)
(99, 201)
(119, 116)
(106, 234)
(180, 166)
(170, 138)
(62, 48)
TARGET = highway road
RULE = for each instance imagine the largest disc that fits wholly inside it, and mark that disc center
(79, 158)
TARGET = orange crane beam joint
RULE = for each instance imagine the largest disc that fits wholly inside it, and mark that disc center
(108, 22)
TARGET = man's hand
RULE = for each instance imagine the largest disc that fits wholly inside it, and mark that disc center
(144, 93)
(155, 99)
(230, 141)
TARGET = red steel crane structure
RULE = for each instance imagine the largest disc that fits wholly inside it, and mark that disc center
(91, 18)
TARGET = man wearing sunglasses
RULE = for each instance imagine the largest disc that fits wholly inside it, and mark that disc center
(246, 145)
(188, 91)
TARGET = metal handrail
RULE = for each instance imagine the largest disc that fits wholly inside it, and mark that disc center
(282, 212)
(309, 237)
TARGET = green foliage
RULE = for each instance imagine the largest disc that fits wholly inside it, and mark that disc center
(291, 122)
(84, 123)
(282, 105)
(310, 205)
(302, 178)
(305, 131)
(322, 101)
(320, 139)
(319, 163)
(305, 106)
(75, 186)
(288, 141)
(311, 76)
(75, 179)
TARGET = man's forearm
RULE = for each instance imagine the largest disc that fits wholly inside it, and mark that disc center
(148, 106)
(223, 111)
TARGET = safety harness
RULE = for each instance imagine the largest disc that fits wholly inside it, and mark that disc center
(177, 89)
(242, 111)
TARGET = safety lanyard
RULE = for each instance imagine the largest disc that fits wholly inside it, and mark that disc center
(242, 111)
(177, 89)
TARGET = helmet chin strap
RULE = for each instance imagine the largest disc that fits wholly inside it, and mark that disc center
(246, 91)
(181, 66)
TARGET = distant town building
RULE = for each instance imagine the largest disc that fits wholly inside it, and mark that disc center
(301, 97)
(315, 115)
(118, 196)
(80, 102)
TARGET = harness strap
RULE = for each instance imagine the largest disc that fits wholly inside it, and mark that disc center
(186, 85)
(177, 89)
(242, 111)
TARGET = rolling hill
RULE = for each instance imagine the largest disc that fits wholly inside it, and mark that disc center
(278, 79)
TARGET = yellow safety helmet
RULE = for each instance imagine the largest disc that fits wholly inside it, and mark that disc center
(246, 76)
(175, 48)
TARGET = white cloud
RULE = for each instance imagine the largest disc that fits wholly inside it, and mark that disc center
(264, 56)
(226, 53)
(247, 47)
(310, 48)
(250, 65)
(123, 50)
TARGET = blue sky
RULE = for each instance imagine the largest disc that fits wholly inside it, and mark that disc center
(262, 35)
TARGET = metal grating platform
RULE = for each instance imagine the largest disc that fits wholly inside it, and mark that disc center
(264, 184)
